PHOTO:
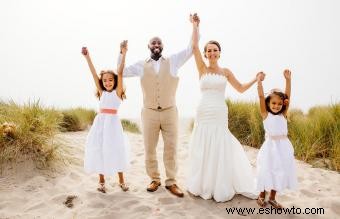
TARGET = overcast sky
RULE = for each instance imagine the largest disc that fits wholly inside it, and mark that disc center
(40, 43)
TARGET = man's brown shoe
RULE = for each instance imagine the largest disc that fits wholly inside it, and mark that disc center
(175, 190)
(153, 186)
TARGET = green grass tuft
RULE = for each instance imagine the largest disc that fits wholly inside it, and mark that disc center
(130, 126)
(77, 119)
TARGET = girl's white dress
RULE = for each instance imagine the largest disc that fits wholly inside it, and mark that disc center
(275, 161)
(219, 167)
(107, 148)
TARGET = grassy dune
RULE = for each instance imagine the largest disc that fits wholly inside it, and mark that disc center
(316, 136)
(245, 122)
(27, 131)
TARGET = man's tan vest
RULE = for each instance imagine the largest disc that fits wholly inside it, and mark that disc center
(159, 89)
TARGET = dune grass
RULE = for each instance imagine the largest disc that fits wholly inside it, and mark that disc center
(316, 135)
(245, 122)
(77, 119)
(27, 131)
(130, 126)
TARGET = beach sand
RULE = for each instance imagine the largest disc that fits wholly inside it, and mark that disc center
(27, 192)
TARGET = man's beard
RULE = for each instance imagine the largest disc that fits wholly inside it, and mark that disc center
(156, 55)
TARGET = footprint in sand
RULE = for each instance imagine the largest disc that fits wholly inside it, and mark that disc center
(74, 176)
(96, 205)
(300, 178)
(142, 208)
(130, 203)
(3, 205)
(58, 198)
(308, 193)
(111, 198)
(69, 201)
(335, 206)
(30, 188)
(182, 214)
(36, 206)
(167, 201)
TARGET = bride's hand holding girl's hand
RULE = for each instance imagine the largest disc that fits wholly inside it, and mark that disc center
(260, 76)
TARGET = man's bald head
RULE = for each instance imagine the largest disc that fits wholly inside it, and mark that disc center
(156, 47)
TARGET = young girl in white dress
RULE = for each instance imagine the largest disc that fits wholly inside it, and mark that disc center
(275, 161)
(106, 151)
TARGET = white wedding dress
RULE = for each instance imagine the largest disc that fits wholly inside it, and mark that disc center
(219, 167)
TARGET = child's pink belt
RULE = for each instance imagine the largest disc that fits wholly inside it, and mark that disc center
(108, 111)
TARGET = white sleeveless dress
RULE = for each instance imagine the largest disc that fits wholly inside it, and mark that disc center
(219, 167)
(275, 161)
(107, 148)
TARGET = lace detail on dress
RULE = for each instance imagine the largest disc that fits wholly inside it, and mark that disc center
(213, 81)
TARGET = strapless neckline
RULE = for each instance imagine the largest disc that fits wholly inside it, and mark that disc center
(212, 74)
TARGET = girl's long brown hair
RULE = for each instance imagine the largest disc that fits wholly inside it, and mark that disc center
(115, 78)
(281, 95)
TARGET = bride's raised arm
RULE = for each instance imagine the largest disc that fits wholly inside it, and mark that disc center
(201, 66)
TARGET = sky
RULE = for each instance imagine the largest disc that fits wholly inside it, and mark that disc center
(41, 40)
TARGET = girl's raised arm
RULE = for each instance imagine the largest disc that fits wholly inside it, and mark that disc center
(86, 54)
(236, 84)
(287, 74)
(120, 90)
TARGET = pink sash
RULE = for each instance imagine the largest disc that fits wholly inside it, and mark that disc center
(108, 111)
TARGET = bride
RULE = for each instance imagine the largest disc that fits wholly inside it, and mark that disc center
(219, 167)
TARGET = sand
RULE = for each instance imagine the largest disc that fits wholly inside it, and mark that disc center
(28, 192)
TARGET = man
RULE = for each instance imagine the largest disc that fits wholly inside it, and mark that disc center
(159, 81)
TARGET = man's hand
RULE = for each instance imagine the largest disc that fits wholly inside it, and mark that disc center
(123, 47)
(84, 51)
(287, 74)
(194, 19)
